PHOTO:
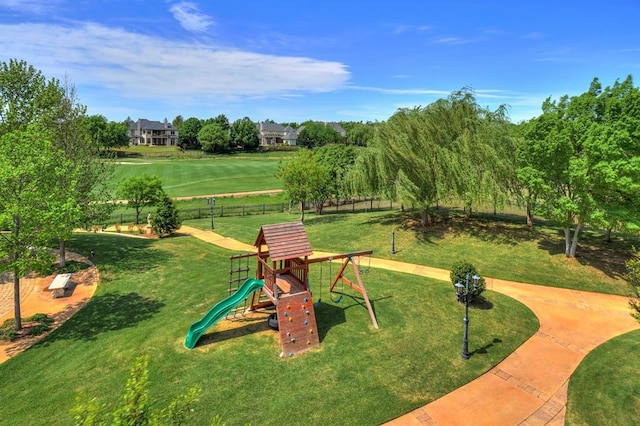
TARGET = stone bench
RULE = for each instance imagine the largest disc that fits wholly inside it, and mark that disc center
(59, 284)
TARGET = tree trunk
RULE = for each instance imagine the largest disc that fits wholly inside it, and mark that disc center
(567, 241)
(63, 254)
(574, 241)
(608, 235)
(426, 218)
(16, 300)
(529, 215)
(301, 210)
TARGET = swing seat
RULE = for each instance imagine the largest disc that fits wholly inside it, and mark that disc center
(338, 300)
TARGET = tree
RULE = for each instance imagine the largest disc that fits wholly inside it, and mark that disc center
(220, 120)
(338, 159)
(450, 150)
(26, 96)
(585, 153)
(166, 219)
(140, 191)
(177, 122)
(44, 117)
(136, 406)
(314, 134)
(305, 179)
(360, 133)
(189, 132)
(244, 133)
(32, 211)
(213, 138)
(106, 134)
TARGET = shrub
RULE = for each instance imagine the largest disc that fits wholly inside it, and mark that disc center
(459, 273)
(41, 318)
(38, 329)
(135, 406)
(633, 277)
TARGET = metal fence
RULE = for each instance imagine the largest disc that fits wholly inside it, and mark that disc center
(352, 205)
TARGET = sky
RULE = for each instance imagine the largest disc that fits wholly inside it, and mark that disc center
(324, 60)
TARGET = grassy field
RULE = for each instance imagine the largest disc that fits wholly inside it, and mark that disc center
(182, 177)
(151, 292)
(605, 389)
(498, 246)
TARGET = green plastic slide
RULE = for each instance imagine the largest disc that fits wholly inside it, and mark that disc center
(220, 310)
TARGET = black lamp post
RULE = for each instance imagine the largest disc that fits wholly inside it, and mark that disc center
(463, 292)
(393, 242)
(212, 204)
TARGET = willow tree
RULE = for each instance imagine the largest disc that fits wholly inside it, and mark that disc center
(450, 150)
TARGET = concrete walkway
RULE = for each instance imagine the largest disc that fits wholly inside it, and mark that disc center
(530, 386)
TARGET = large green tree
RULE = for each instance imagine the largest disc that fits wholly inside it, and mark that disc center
(188, 132)
(34, 210)
(44, 116)
(584, 154)
(244, 133)
(214, 138)
(316, 134)
(305, 179)
(140, 191)
(450, 150)
(87, 172)
(106, 134)
(338, 159)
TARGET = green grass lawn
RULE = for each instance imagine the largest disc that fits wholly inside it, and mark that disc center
(182, 177)
(152, 290)
(605, 389)
(498, 246)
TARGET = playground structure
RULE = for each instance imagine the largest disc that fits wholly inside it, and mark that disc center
(282, 280)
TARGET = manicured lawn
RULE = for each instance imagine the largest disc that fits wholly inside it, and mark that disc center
(605, 389)
(205, 176)
(151, 291)
(500, 247)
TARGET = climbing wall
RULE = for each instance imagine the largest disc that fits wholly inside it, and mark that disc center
(297, 323)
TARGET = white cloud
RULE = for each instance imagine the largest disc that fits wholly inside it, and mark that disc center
(401, 91)
(144, 67)
(190, 17)
(37, 7)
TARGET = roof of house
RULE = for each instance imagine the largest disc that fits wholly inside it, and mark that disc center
(150, 125)
(284, 240)
(270, 127)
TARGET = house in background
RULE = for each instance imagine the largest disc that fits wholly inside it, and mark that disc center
(152, 133)
(335, 126)
(271, 134)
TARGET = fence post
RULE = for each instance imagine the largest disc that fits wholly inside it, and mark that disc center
(263, 206)
(353, 206)
(221, 211)
(371, 203)
(243, 210)
(120, 217)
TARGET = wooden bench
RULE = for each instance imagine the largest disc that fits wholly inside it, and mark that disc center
(59, 284)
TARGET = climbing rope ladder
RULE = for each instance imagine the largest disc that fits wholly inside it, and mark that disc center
(238, 274)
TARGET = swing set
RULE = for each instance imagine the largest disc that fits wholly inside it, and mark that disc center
(353, 259)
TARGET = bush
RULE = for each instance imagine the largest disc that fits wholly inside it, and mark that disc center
(459, 273)
(135, 406)
(633, 277)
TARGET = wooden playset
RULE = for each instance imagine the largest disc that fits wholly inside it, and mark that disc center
(283, 258)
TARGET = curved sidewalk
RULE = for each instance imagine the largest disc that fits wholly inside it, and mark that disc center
(530, 386)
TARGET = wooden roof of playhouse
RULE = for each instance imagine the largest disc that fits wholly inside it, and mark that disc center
(284, 240)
